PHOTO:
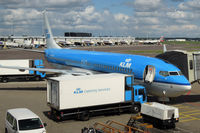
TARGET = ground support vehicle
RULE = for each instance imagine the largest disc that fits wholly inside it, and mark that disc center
(21, 75)
(91, 95)
(21, 120)
(137, 122)
(112, 127)
(160, 115)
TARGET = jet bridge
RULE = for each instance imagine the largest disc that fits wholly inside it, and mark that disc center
(187, 62)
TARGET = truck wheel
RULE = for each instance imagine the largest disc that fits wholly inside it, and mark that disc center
(6, 131)
(4, 80)
(27, 78)
(37, 78)
(135, 109)
(198, 81)
(173, 126)
(85, 116)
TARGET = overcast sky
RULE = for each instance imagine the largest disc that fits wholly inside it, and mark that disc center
(138, 18)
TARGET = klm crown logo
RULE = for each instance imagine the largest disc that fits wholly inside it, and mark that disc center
(47, 33)
(126, 64)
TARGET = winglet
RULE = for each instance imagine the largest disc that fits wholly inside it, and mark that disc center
(51, 44)
(164, 48)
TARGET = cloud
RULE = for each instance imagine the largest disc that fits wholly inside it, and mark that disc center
(27, 13)
(17, 15)
(177, 0)
(121, 17)
(152, 17)
(148, 14)
(42, 4)
(192, 5)
(78, 20)
(147, 5)
(181, 15)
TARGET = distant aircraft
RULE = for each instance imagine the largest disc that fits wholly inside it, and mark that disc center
(156, 41)
(160, 78)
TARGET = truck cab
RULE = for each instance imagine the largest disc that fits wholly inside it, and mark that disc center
(136, 93)
(139, 94)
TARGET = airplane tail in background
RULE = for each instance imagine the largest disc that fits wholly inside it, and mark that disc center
(51, 44)
(162, 39)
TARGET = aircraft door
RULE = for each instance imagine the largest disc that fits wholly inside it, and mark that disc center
(149, 74)
(54, 93)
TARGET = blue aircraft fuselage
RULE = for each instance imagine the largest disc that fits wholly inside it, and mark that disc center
(127, 64)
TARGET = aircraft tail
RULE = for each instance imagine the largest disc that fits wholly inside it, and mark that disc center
(51, 44)
(162, 39)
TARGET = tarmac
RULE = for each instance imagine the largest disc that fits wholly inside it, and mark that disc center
(32, 95)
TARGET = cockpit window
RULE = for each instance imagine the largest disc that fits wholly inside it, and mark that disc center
(164, 73)
(173, 73)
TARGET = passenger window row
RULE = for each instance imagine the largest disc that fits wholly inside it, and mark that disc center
(113, 68)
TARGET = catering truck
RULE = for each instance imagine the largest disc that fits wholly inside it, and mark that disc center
(15, 74)
(90, 95)
(160, 115)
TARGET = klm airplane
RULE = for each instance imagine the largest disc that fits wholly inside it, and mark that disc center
(160, 78)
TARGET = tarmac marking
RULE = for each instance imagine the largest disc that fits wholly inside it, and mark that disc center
(188, 115)
(189, 111)
(181, 129)
(189, 120)
(180, 107)
(195, 113)
(194, 104)
(177, 105)
(182, 117)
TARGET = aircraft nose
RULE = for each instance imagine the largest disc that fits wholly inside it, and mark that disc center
(185, 84)
(186, 88)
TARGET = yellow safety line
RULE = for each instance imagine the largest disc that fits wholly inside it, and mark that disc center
(183, 107)
(177, 105)
(183, 117)
(194, 113)
(188, 116)
(189, 120)
(192, 117)
(189, 111)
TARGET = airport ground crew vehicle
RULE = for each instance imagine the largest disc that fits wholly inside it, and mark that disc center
(160, 115)
(90, 95)
(7, 74)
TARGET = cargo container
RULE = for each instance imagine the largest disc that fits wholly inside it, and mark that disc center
(160, 115)
(7, 74)
(85, 96)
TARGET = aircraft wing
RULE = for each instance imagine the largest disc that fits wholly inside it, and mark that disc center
(59, 71)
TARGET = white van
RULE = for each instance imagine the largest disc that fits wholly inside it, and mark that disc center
(22, 120)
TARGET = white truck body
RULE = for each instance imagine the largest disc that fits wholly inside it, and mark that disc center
(68, 92)
(159, 111)
(17, 62)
